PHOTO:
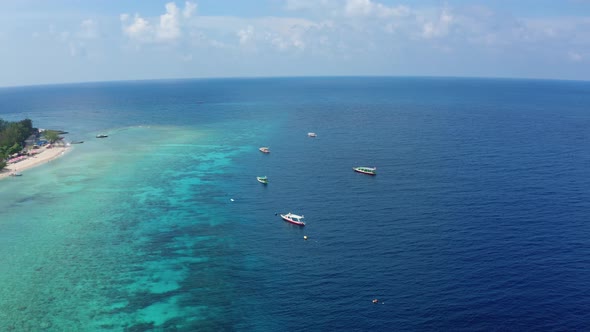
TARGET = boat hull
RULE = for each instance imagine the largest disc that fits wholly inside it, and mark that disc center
(294, 222)
(364, 172)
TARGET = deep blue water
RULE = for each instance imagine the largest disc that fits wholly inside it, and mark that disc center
(478, 219)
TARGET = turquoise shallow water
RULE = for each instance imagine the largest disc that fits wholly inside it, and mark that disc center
(129, 232)
(477, 219)
(115, 224)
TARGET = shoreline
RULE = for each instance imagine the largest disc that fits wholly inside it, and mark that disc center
(33, 161)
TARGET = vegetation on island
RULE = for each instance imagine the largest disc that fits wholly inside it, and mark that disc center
(51, 136)
(12, 137)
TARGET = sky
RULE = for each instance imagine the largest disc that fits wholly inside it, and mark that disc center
(63, 41)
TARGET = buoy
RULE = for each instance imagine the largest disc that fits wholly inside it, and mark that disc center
(305, 237)
(375, 301)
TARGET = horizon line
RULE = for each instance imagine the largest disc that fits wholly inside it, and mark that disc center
(287, 77)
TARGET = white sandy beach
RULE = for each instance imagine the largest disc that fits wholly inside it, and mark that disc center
(40, 158)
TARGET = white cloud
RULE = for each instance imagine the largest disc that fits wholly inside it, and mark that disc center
(335, 29)
(88, 29)
(358, 7)
(348, 8)
(140, 29)
(256, 34)
(73, 40)
(77, 49)
(355, 8)
(575, 56)
(246, 34)
(167, 28)
(311, 5)
(349, 36)
(285, 43)
(189, 9)
(438, 27)
(384, 11)
(217, 44)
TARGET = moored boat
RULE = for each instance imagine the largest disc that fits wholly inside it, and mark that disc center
(293, 218)
(101, 136)
(262, 179)
(16, 174)
(366, 170)
(264, 149)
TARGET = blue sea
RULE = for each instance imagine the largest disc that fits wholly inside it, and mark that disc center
(478, 218)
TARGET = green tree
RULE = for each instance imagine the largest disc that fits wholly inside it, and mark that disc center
(51, 135)
(13, 149)
(27, 124)
(2, 158)
(12, 137)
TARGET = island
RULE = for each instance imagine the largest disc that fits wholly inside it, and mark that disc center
(22, 146)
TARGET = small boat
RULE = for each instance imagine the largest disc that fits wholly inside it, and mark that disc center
(312, 134)
(77, 142)
(293, 218)
(262, 179)
(16, 174)
(264, 149)
(101, 136)
(366, 170)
